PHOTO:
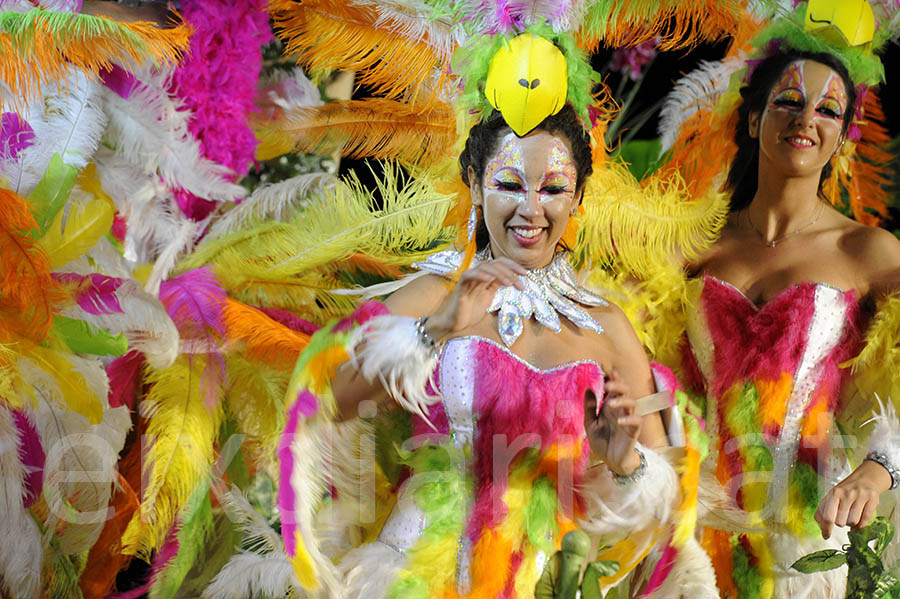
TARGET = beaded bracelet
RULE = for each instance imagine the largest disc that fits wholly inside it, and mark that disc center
(882, 459)
(626, 479)
(425, 337)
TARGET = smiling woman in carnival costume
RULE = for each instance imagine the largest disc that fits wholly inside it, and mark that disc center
(781, 302)
(508, 391)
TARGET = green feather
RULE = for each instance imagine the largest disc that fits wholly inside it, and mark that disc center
(51, 193)
(540, 515)
(196, 522)
(83, 338)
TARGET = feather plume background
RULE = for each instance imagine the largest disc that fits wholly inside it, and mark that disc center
(293, 265)
(42, 46)
(20, 562)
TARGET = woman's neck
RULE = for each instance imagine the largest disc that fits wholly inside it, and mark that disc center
(783, 204)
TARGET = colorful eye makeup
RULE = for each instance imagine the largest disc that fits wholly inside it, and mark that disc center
(506, 172)
(788, 90)
(831, 102)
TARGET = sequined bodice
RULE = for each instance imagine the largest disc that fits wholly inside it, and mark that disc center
(772, 373)
(490, 394)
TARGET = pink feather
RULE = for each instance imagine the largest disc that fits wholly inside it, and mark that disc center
(195, 302)
(95, 293)
(31, 453)
(15, 135)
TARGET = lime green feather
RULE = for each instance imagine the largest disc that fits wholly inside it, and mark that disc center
(51, 193)
(83, 338)
(196, 522)
(540, 519)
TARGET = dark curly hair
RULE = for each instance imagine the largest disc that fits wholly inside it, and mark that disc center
(481, 145)
(744, 171)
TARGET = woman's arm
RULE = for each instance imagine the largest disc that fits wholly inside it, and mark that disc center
(350, 388)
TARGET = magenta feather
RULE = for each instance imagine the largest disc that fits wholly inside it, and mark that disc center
(119, 80)
(286, 495)
(95, 293)
(15, 135)
(195, 301)
(124, 377)
(217, 80)
(31, 453)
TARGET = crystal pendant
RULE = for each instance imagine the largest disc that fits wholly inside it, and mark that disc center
(509, 324)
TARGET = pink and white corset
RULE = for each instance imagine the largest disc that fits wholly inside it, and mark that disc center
(512, 437)
(771, 376)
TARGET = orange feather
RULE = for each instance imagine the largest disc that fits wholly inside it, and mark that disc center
(490, 565)
(55, 46)
(28, 295)
(332, 34)
(676, 24)
(263, 338)
(870, 173)
(376, 128)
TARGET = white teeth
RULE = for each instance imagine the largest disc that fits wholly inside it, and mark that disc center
(527, 233)
(801, 141)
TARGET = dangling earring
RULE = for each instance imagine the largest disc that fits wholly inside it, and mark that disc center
(473, 222)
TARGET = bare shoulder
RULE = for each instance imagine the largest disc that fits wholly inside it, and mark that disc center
(872, 243)
(616, 327)
(875, 253)
(420, 296)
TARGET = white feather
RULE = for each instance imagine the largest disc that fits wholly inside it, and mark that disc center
(387, 348)
(615, 510)
(68, 120)
(286, 90)
(181, 240)
(144, 322)
(81, 458)
(415, 19)
(370, 570)
(308, 480)
(20, 550)
(885, 440)
(277, 201)
(698, 90)
(150, 131)
(252, 575)
(258, 534)
(691, 576)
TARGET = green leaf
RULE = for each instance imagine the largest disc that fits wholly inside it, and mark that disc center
(887, 587)
(820, 561)
(83, 338)
(51, 193)
(641, 156)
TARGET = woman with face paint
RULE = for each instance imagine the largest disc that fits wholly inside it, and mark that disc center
(781, 299)
(518, 391)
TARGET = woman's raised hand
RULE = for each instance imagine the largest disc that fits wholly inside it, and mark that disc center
(472, 296)
(614, 431)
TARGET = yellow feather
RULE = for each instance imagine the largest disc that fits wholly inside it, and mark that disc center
(254, 398)
(181, 432)
(294, 265)
(877, 367)
(76, 230)
(304, 566)
(640, 226)
(56, 378)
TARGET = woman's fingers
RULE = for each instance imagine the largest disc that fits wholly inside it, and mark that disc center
(826, 514)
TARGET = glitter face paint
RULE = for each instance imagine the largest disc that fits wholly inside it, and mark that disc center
(790, 95)
(506, 173)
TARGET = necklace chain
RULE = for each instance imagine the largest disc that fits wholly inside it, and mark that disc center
(774, 242)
